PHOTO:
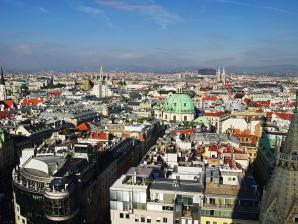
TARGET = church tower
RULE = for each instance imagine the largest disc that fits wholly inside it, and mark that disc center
(280, 198)
(218, 75)
(2, 87)
(101, 78)
(223, 76)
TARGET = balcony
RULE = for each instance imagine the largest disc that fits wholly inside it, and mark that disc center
(231, 207)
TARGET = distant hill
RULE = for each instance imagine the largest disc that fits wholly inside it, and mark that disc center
(287, 68)
(206, 71)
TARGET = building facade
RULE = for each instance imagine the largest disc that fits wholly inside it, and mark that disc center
(138, 197)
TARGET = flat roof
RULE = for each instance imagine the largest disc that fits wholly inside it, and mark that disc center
(175, 186)
(139, 171)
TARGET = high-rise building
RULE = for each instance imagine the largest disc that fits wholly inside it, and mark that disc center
(2, 86)
(280, 198)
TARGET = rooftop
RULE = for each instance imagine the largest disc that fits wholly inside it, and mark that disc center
(177, 186)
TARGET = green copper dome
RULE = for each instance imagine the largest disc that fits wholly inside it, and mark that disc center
(179, 103)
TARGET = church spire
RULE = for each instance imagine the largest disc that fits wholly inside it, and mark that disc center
(223, 76)
(2, 82)
(291, 141)
(101, 73)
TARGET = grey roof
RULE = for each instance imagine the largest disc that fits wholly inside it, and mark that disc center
(37, 127)
(139, 171)
(291, 142)
(182, 186)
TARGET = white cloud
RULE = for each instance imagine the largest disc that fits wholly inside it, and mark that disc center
(95, 12)
(43, 10)
(246, 4)
(147, 8)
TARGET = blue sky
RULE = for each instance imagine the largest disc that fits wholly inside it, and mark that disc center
(82, 34)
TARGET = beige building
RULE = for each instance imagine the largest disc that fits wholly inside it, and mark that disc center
(232, 201)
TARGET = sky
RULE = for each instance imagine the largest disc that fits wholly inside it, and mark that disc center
(74, 35)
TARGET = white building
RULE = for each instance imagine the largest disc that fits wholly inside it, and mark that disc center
(137, 198)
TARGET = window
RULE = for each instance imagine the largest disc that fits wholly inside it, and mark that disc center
(207, 222)
(185, 118)
(214, 222)
(167, 208)
(121, 215)
(148, 220)
(142, 219)
(165, 220)
(136, 219)
(127, 216)
(157, 219)
(177, 221)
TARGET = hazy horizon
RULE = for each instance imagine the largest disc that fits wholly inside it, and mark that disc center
(153, 35)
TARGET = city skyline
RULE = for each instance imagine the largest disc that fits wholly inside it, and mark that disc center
(80, 35)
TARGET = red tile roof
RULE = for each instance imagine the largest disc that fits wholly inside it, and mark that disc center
(183, 131)
(100, 135)
(284, 116)
(83, 127)
(31, 101)
(54, 93)
(9, 103)
(209, 98)
(214, 114)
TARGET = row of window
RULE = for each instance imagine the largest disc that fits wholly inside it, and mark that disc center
(143, 219)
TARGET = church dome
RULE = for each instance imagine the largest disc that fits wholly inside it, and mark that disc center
(179, 103)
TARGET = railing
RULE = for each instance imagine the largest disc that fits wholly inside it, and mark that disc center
(238, 207)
